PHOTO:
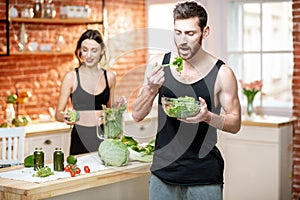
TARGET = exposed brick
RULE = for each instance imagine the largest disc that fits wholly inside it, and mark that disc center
(43, 73)
(296, 95)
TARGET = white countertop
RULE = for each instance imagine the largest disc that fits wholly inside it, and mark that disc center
(268, 120)
(45, 126)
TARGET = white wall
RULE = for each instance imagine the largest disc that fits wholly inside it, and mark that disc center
(215, 43)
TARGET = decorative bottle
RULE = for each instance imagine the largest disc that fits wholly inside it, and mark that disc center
(38, 160)
(58, 160)
(10, 113)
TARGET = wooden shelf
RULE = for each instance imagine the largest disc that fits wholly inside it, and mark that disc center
(56, 21)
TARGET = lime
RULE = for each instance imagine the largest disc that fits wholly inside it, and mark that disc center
(28, 161)
(72, 160)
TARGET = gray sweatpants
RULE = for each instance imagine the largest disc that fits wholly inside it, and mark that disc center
(163, 191)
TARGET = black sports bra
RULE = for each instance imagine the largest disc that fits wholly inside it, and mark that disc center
(83, 100)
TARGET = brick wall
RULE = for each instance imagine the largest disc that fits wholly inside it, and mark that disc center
(42, 74)
(296, 96)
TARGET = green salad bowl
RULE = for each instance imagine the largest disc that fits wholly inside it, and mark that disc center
(181, 107)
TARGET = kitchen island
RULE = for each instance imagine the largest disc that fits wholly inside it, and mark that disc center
(113, 183)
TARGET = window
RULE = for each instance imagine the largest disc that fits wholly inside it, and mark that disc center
(259, 44)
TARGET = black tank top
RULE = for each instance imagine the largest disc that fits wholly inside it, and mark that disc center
(185, 153)
(83, 100)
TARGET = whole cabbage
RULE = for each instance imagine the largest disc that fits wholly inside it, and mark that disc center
(113, 152)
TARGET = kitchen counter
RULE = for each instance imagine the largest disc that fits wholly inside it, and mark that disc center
(268, 121)
(109, 183)
(38, 128)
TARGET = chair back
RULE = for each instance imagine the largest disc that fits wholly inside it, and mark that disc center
(12, 145)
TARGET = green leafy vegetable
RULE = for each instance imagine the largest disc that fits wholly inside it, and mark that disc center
(129, 141)
(118, 152)
(142, 153)
(113, 152)
(136, 156)
(43, 172)
(113, 118)
(73, 116)
(181, 107)
(134, 145)
(178, 61)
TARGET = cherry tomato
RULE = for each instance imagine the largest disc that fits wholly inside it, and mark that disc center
(72, 173)
(72, 167)
(67, 168)
(86, 169)
(77, 170)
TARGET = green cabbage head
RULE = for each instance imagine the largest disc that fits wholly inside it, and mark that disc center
(113, 153)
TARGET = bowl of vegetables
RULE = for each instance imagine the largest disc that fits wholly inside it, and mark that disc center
(180, 107)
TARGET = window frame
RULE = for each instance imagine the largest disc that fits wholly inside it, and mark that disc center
(283, 108)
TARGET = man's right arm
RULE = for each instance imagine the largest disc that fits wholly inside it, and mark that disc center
(142, 105)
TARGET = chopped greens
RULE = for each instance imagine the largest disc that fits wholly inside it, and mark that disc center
(142, 153)
(181, 107)
(43, 172)
(178, 61)
(134, 145)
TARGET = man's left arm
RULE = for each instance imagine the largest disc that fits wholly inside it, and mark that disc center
(230, 121)
(226, 90)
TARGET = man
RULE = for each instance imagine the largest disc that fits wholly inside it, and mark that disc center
(186, 162)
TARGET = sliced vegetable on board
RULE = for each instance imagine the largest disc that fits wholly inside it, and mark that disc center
(43, 172)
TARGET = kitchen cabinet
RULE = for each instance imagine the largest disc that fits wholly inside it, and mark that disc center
(258, 160)
(48, 136)
(48, 141)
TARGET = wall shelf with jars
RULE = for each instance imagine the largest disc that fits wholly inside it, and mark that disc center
(38, 14)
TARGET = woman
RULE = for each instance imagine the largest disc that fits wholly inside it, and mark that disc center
(89, 86)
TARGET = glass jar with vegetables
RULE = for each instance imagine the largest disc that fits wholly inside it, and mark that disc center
(58, 160)
(113, 121)
(38, 158)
